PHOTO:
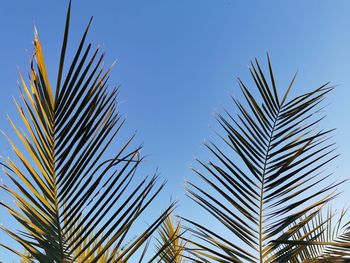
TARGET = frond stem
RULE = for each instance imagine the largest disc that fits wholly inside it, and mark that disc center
(261, 205)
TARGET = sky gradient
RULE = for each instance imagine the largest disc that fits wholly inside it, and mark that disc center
(177, 62)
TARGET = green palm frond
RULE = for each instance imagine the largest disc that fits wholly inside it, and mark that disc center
(268, 175)
(77, 196)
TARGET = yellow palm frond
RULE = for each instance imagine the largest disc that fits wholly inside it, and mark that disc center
(77, 196)
(171, 246)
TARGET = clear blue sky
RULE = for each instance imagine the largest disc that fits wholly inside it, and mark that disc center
(177, 62)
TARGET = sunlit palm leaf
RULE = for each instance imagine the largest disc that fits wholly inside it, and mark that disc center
(170, 244)
(110, 254)
(269, 174)
(75, 203)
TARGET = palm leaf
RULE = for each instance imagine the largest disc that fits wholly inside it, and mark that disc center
(268, 175)
(322, 238)
(74, 200)
(170, 244)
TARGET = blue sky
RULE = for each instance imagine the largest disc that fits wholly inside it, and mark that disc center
(177, 63)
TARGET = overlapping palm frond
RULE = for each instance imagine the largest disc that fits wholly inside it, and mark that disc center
(82, 251)
(77, 197)
(323, 237)
(269, 174)
(171, 246)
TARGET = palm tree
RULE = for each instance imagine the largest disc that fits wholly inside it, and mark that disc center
(267, 177)
(77, 196)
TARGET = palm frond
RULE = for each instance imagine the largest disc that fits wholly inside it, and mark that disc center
(323, 237)
(268, 175)
(170, 244)
(77, 196)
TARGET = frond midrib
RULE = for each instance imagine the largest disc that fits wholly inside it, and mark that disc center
(261, 200)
